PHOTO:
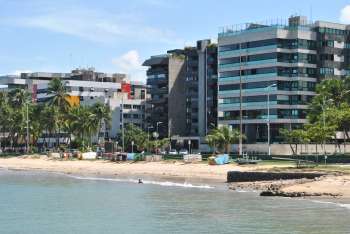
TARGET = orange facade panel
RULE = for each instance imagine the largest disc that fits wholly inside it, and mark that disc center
(73, 100)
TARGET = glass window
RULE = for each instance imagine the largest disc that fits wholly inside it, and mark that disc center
(228, 47)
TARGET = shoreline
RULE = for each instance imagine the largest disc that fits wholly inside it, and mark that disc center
(329, 186)
(162, 171)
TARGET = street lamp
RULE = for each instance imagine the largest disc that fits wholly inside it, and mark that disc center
(268, 116)
(157, 126)
(27, 138)
(323, 106)
(148, 128)
(122, 120)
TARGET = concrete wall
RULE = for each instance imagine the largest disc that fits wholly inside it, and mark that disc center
(176, 97)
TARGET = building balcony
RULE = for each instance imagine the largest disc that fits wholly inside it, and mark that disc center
(273, 120)
(236, 53)
(261, 91)
(158, 91)
(157, 81)
(263, 77)
(248, 64)
(223, 80)
(157, 101)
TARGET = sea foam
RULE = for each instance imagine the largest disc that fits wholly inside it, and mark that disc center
(160, 183)
(343, 205)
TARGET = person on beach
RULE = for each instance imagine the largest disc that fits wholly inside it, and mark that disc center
(140, 181)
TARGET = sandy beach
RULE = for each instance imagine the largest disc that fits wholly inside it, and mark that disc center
(170, 169)
(334, 185)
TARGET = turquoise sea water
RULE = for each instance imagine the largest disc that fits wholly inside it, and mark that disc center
(38, 203)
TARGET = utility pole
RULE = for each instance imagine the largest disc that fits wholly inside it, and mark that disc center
(148, 137)
(122, 120)
(268, 118)
(324, 125)
(240, 102)
(27, 140)
(157, 127)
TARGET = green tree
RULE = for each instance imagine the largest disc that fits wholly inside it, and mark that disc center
(295, 137)
(4, 110)
(18, 100)
(84, 123)
(320, 134)
(59, 99)
(212, 140)
(103, 115)
(222, 138)
(135, 134)
(158, 144)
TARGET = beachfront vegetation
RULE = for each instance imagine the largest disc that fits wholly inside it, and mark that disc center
(142, 141)
(329, 113)
(221, 138)
(55, 117)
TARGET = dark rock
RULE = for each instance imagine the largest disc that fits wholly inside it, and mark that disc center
(238, 176)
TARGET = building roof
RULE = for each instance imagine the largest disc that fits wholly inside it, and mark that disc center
(156, 60)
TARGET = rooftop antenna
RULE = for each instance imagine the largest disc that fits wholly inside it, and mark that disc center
(70, 61)
(311, 19)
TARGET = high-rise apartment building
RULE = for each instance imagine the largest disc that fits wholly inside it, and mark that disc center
(183, 90)
(166, 105)
(201, 88)
(268, 72)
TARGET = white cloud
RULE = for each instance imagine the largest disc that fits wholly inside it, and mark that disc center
(130, 63)
(98, 26)
(345, 15)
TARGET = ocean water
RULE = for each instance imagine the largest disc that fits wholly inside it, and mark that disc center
(38, 203)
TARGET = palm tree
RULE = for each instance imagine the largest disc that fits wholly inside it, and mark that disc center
(49, 121)
(36, 123)
(83, 123)
(222, 138)
(18, 100)
(59, 95)
(103, 115)
(212, 140)
(59, 99)
(3, 114)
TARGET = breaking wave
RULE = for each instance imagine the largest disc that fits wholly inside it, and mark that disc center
(160, 183)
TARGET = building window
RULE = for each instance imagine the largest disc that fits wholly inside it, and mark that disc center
(326, 71)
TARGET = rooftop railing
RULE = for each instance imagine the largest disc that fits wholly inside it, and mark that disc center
(263, 26)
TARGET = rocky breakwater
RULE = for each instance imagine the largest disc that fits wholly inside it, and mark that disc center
(277, 189)
(274, 183)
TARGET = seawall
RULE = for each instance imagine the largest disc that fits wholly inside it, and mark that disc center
(238, 176)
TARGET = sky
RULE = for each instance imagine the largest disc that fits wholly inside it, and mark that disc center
(118, 35)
